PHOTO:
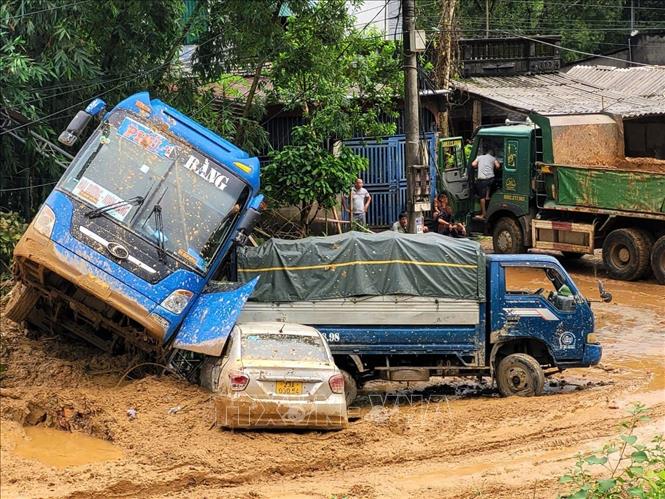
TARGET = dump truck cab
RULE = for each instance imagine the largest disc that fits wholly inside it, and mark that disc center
(122, 249)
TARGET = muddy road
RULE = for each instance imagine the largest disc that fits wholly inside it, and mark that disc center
(454, 438)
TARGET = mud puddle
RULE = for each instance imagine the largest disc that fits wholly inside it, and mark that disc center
(61, 449)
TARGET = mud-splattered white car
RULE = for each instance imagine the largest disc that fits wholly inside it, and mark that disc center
(273, 375)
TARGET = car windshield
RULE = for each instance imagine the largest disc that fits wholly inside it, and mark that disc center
(165, 191)
(279, 346)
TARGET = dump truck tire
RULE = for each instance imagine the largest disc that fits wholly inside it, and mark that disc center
(350, 388)
(507, 236)
(22, 299)
(626, 254)
(658, 260)
(520, 374)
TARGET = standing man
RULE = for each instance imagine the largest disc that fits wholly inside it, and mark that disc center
(360, 200)
(485, 164)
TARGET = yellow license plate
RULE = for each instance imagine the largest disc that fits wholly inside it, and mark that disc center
(288, 387)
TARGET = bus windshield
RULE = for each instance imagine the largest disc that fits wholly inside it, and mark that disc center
(158, 187)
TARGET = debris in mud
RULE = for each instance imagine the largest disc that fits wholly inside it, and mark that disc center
(131, 413)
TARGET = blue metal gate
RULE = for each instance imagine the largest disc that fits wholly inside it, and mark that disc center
(385, 177)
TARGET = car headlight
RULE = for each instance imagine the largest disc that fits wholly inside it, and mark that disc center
(44, 221)
(177, 301)
(592, 338)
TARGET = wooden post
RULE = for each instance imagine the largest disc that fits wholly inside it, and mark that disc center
(477, 117)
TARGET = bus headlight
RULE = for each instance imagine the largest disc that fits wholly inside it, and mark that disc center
(44, 221)
(177, 301)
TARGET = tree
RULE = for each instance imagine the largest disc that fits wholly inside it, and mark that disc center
(344, 82)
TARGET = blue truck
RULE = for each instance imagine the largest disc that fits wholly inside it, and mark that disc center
(122, 251)
(405, 307)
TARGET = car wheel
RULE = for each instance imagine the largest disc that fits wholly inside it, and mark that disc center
(507, 236)
(350, 388)
(21, 301)
(658, 260)
(520, 374)
(626, 253)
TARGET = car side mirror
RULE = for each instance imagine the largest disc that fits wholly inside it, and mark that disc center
(606, 296)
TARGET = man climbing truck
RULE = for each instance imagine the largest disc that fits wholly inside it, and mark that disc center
(121, 251)
(565, 184)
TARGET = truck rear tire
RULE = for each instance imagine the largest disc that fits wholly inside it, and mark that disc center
(520, 374)
(350, 388)
(22, 299)
(626, 253)
(658, 260)
(507, 236)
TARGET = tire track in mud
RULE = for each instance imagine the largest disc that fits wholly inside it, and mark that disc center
(540, 440)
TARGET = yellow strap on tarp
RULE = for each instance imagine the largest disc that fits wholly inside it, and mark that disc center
(362, 262)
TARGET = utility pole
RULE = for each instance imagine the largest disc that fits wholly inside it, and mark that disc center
(411, 119)
(487, 18)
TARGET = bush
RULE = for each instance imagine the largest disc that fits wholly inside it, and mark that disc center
(623, 468)
(12, 227)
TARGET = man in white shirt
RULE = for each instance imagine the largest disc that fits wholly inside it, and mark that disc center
(360, 200)
(485, 164)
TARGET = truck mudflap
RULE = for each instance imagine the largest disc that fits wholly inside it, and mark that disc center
(211, 319)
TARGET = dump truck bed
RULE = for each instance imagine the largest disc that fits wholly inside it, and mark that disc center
(636, 186)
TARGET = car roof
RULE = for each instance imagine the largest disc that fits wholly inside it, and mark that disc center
(276, 328)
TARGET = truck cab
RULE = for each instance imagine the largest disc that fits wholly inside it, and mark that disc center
(122, 250)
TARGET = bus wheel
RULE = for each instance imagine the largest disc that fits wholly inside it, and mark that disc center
(507, 236)
(520, 374)
(658, 260)
(626, 254)
(21, 301)
(350, 388)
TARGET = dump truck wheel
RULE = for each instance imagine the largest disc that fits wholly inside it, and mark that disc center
(22, 299)
(658, 260)
(507, 236)
(520, 374)
(350, 388)
(626, 253)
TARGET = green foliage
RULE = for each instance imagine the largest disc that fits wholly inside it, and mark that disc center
(623, 468)
(12, 228)
(305, 173)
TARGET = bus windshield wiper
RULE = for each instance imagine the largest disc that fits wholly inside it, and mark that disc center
(138, 200)
(159, 227)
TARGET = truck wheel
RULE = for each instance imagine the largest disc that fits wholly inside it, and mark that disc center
(520, 374)
(21, 301)
(626, 253)
(658, 260)
(350, 388)
(507, 236)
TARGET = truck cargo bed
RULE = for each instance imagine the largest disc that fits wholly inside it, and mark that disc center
(392, 310)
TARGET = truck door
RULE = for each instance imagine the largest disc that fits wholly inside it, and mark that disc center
(454, 172)
(540, 302)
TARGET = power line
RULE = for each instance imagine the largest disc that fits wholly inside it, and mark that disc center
(28, 187)
(48, 10)
(590, 54)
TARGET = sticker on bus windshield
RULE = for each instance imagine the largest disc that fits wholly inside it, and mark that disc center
(98, 196)
(146, 138)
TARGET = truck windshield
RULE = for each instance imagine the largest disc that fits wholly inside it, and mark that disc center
(188, 202)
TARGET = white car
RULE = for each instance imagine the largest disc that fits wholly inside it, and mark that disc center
(273, 374)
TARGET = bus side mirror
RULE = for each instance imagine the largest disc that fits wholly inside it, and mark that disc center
(78, 124)
(247, 224)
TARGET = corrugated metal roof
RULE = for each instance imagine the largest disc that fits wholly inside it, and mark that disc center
(630, 92)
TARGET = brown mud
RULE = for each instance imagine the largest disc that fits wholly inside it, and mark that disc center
(447, 438)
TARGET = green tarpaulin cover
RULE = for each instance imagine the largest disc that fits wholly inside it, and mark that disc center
(611, 190)
(359, 264)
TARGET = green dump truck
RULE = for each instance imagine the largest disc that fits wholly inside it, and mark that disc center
(566, 185)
